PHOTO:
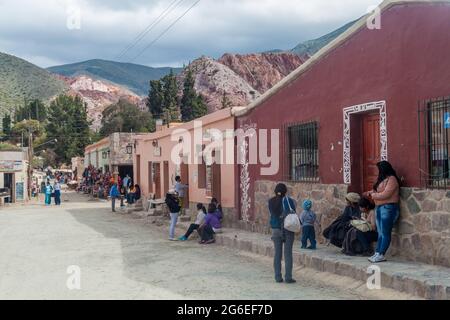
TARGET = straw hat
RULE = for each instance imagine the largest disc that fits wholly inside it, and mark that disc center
(353, 197)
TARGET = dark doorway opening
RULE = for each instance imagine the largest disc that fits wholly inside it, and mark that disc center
(125, 170)
(10, 184)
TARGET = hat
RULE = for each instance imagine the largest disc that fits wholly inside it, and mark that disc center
(353, 197)
(172, 191)
(307, 204)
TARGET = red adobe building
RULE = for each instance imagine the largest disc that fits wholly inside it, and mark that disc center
(370, 95)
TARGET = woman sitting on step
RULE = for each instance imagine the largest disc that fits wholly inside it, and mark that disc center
(201, 215)
(363, 233)
(336, 232)
(211, 226)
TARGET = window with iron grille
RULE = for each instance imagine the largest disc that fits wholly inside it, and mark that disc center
(303, 152)
(434, 137)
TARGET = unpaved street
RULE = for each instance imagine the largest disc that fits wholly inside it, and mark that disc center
(122, 258)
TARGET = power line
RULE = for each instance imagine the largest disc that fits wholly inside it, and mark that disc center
(165, 31)
(149, 28)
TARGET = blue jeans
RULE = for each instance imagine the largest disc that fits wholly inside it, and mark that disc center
(387, 216)
(309, 233)
(57, 197)
(282, 238)
(173, 224)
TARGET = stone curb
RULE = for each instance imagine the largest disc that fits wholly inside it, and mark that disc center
(422, 286)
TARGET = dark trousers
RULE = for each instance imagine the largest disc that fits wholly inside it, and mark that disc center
(283, 238)
(191, 229)
(366, 238)
(207, 233)
(308, 233)
(57, 197)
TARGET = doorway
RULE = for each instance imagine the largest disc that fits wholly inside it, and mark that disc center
(371, 149)
(157, 179)
(166, 177)
(9, 182)
(184, 174)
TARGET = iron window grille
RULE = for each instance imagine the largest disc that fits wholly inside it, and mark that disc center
(434, 143)
(303, 152)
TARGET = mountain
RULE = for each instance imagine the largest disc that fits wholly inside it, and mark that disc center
(19, 80)
(132, 76)
(308, 48)
(98, 95)
(240, 79)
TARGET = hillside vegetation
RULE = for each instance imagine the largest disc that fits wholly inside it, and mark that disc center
(21, 80)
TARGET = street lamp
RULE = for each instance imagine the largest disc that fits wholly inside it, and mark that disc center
(130, 149)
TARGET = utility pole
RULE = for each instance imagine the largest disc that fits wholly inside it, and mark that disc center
(30, 163)
(167, 118)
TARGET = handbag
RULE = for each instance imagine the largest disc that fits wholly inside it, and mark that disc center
(291, 221)
(361, 225)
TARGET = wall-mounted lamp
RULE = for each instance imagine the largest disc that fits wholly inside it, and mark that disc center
(130, 149)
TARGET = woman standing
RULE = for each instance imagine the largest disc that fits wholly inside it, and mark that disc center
(173, 204)
(48, 194)
(279, 207)
(386, 194)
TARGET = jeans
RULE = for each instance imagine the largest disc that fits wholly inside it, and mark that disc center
(57, 197)
(48, 199)
(309, 233)
(387, 216)
(191, 229)
(279, 238)
(113, 204)
(173, 224)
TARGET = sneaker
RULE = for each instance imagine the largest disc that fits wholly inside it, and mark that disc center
(279, 281)
(378, 259)
(183, 238)
(172, 239)
(371, 259)
(311, 248)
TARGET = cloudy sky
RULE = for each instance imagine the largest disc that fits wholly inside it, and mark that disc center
(50, 32)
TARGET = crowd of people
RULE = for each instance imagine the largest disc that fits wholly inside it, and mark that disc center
(366, 219)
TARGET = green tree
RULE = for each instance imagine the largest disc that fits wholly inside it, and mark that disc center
(156, 98)
(6, 122)
(68, 123)
(35, 110)
(199, 108)
(189, 98)
(170, 101)
(125, 116)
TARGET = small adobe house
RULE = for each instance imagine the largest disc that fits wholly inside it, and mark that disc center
(178, 151)
(370, 95)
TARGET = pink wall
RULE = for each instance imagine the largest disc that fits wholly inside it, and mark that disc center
(220, 120)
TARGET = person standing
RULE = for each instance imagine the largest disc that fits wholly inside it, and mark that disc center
(57, 188)
(173, 204)
(48, 194)
(279, 206)
(308, 219)
(181, 189)
(114, 194)
(386, 195)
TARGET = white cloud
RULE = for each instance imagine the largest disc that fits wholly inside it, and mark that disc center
(37, 29)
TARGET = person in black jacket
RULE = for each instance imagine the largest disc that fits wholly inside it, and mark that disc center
(336, 232)
(173, 204)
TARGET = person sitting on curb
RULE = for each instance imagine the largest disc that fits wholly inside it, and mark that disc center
(308, 219)
(336, 232)
(201, 215)
(211, 225)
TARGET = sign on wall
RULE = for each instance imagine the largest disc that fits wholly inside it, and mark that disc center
(19, 191)
(11, 165)
(447, 120)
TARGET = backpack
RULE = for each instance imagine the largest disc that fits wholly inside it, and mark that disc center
(291, 221)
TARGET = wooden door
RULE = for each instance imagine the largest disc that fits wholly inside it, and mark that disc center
(138, 170)
(166, 177)
(150, 177)
(216, 182)
(184, 168)
(157, 179)
(371, 149)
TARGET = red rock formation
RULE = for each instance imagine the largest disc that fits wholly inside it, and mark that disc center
(263, 70)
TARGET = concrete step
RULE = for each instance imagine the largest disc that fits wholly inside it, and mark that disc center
(418, 279)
